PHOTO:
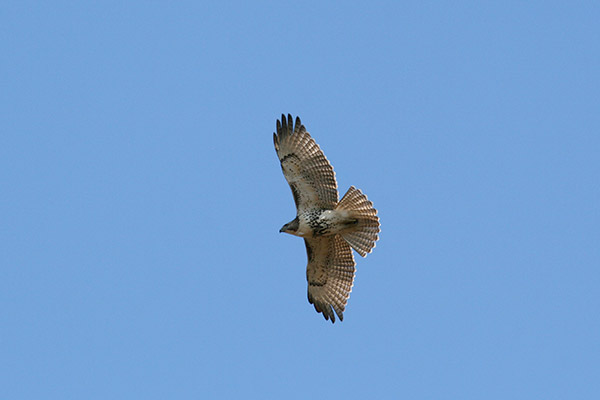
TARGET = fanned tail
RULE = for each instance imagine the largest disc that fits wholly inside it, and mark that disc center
(363, 236)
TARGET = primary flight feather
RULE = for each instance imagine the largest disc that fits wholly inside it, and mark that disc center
(330, 228)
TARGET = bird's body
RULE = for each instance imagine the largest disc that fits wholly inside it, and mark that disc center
(315, 222)
(330, 228)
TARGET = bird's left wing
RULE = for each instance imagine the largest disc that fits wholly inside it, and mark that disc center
(330, 273)
(305, 167)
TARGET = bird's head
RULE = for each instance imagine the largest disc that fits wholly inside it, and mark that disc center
(291, 227)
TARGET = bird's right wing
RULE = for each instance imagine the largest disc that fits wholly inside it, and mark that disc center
(330, 273)
(305, 167)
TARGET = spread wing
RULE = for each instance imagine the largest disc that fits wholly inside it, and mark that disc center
(330, 273)
(305, 167)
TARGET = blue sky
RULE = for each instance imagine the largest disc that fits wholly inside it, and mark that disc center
(142, 198)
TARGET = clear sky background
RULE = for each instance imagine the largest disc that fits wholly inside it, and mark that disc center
(141, 199)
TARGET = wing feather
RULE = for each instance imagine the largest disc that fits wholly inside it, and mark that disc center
(330, 274)
(305, 167)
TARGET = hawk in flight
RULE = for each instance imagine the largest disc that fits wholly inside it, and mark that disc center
(330, 228)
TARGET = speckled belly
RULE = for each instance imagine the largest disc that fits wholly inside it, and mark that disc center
(324, 222)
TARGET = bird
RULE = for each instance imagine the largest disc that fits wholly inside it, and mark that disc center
(330, 228)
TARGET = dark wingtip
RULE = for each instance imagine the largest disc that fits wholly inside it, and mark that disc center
(283, 124)
(286, 124)
(327, 315)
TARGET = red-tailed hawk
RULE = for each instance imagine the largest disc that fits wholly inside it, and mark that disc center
(329, 227)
